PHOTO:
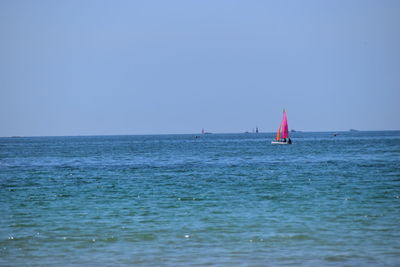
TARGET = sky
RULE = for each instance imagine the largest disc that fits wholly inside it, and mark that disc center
(84, 67)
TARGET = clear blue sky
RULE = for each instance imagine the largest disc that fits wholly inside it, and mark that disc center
(135, 67)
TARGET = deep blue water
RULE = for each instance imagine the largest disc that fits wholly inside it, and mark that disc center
(221, 199)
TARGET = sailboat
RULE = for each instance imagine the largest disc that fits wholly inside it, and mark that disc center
(282, 136)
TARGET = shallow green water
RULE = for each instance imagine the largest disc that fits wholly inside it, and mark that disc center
(221, 199)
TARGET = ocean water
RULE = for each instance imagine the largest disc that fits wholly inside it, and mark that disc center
(219, 199)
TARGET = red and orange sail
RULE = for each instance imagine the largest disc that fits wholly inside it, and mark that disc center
(278, 134)
(284, 126)
(283, 131)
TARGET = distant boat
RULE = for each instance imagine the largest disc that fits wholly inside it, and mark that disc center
(256, 129)
(282, 136)
(203, 132)
(353, 130)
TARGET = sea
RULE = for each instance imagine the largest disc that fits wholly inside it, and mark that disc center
(329, 199)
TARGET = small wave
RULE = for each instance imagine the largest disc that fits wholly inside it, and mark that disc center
(268, 197)
(189, 199)
(339, 258)
(63, 195)
(142, 237)
(300, 237)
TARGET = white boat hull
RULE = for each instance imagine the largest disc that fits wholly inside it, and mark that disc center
(280, 143)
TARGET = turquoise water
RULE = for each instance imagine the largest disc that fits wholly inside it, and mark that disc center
(221, 199)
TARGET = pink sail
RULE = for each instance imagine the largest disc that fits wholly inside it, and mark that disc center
(284, 126)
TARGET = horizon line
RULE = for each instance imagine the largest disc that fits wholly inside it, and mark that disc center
(208, 133)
